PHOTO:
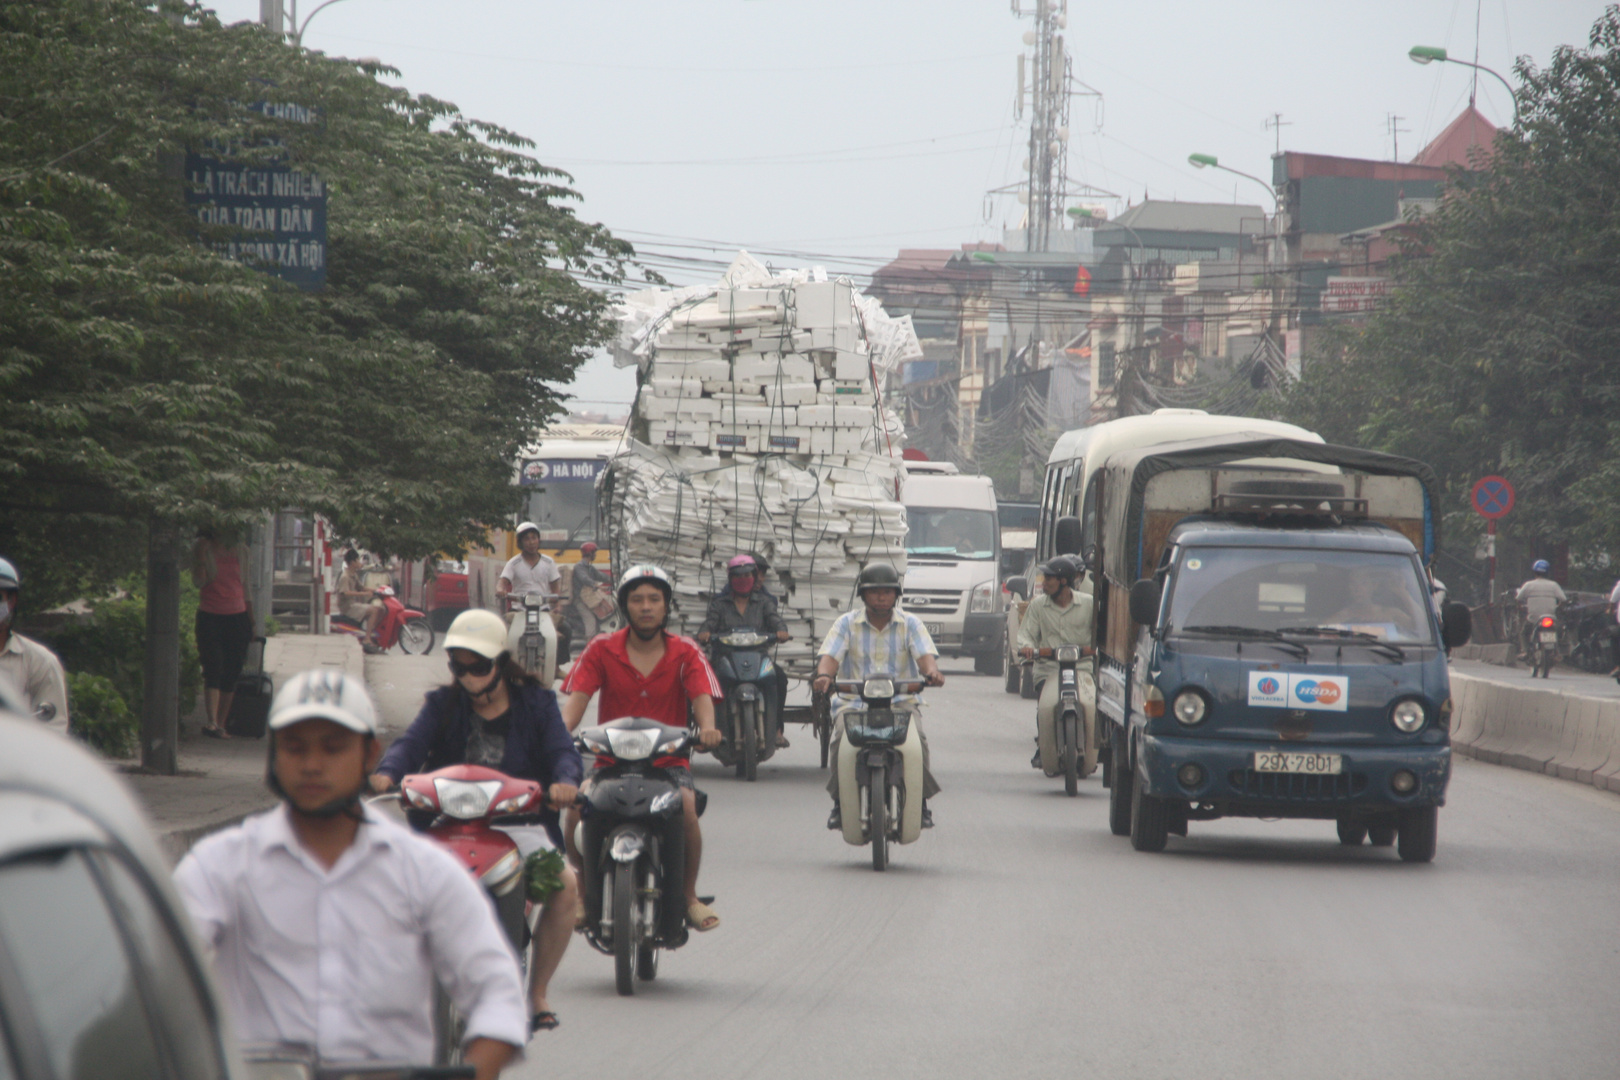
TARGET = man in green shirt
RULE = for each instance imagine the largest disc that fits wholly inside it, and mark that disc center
(1060, 616)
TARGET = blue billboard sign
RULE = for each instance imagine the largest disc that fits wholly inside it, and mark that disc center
(538, 471)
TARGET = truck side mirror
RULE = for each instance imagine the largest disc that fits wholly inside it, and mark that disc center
(1019, 587)
(1145, 597)
(1067, 538)
(1089, 555)
(1456, 624)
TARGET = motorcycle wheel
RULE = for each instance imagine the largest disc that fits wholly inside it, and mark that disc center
(416, 637)
(1119, 795)
(448, 1028)
(625, 931)
(748, 762)
(646, 950)
(877, 797)
(821, 710)
(1071, 756)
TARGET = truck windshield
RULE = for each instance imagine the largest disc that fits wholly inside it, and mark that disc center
(962, 534)
(1345, 594)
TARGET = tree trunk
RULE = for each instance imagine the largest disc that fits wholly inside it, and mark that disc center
(160, 713)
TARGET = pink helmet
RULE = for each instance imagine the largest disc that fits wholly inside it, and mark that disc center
(741, 562)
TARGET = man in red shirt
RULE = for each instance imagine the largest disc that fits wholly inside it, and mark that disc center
(644, 671)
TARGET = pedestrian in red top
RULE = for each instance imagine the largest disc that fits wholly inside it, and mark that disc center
(224, 620)
(643, 670)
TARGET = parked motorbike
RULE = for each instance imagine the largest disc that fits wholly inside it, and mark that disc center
(1544, 647)
(632, 843)
(880, 768)
(1062, 735)
(400, 625)
(459, 806)
(749, 715)
(531, 635)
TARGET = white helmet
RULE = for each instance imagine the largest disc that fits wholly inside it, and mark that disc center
(640, 574)
(477, 630)
(324, 694)
(526, 527)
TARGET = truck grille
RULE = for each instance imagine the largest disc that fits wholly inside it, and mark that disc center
(931, 601)
(1297, 787)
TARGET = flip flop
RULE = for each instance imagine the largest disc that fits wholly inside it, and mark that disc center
(544, 1021)
(701, 917)
(214, 733)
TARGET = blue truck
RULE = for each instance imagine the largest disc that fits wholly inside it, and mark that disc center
(1267, 642)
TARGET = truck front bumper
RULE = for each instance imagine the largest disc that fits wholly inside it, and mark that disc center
(1230, 785)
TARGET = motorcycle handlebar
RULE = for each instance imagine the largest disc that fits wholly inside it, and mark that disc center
(1047, 654)
(899, 687)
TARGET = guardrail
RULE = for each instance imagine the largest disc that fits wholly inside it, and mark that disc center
(1541, 730)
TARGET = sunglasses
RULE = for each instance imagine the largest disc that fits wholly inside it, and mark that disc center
(482, 666)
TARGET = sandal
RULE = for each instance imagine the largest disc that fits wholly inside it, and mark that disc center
(214, 733)
(545, 1020)
(701, 917)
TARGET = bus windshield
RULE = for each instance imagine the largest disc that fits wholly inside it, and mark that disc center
(961, 534)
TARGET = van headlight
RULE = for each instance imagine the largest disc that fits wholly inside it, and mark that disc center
(983, 598)
(1190, 708)
(1407, 715)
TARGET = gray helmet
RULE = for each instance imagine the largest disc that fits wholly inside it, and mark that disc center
(9, 578)
(1064, 566)
(877, 576)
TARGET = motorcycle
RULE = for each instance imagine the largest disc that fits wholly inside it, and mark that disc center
(750, 716)
(594, 612)
(531, 635)
(1544, 648)
(459, 806)
(632, 843)
(1063, 733)
(880, 768)
(400, 625)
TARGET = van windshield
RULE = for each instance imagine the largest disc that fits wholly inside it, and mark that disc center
(1344, 594)
(961, 534)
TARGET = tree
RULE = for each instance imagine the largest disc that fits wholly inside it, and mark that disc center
(1497, 351)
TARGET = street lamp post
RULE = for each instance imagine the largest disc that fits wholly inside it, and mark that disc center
(1427, 54)
(1210, 161)
(297, 28)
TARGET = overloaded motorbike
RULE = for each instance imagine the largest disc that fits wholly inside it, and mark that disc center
(400, 625)
(750, 715)
(1543, 646)
(632, 842)
(1063, 735)
(880, 768)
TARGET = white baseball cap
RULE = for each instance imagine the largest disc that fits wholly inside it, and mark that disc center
(324, 694)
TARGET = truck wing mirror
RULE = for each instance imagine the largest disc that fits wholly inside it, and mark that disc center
(1067, 538)
(1019, 587)
(1145, 595)
(1090, 557)
(1456, 624)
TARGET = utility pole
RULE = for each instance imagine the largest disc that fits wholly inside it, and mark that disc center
(1047, 89)
(160, 696)
(272, 16)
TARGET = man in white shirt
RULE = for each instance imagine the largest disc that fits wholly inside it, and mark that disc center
(328, 923)
(529, 573)
(34, 671)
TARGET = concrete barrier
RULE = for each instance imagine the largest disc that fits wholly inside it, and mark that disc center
(1543, 729)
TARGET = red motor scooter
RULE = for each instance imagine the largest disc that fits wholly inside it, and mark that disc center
(400, 625)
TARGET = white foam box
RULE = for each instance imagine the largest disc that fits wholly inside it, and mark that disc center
(735, 440)
(692, 408)
(817, 415)
(774, 339)
(848, 416)
(748, 394)
(834, 337)
(707, 368)
(773, 367)
(678, 434)
(739, 300)
(662, 387)
(826, 304)
(757, 416)
(850, 366)
(787, 440)
(848, 439)
(791, 393)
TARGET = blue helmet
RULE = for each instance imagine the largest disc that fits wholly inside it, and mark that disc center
(1541, 566)
(9, 578)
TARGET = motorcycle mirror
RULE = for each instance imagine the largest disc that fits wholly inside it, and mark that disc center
(1456, 624)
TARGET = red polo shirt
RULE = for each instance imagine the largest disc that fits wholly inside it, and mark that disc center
(682, 675)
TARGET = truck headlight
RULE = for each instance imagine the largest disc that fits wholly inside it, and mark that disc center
(1190, 708)
(983, 598)
(1407, 715)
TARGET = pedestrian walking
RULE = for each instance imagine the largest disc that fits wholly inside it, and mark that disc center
(224, 624)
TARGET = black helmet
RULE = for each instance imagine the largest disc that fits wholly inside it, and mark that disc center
(877, 576)
(1064, 566)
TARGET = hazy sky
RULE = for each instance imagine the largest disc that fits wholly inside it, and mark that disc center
(838, 131)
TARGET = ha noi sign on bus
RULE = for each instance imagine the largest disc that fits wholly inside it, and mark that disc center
(273, 215)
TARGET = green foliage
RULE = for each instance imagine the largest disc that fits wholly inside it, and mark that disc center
(111, 644)
(100, 716)
(542, 875)
(1497, 352)
(271, 626)
(145, 376)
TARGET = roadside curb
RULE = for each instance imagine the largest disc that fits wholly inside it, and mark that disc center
(1545, 730)
(179, 840)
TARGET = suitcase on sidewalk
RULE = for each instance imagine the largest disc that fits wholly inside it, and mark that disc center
(250, 709)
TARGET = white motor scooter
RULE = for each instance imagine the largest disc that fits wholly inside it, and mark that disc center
(531, 637)
(880, 767)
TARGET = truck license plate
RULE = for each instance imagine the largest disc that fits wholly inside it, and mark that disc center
(1292, 761)
(931, 627)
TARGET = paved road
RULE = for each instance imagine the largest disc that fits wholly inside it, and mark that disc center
(1568, 680)
(1019, 938)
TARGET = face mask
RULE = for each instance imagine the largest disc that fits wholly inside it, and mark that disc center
(741, 585)
(5, 612)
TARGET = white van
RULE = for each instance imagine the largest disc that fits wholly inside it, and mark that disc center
(953, 550)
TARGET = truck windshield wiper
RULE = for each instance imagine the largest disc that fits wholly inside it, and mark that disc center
(1248, 632)
(1362, 637)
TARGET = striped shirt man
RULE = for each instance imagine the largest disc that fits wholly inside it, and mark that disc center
(863, 651)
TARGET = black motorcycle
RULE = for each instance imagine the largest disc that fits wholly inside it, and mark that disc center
(633, 845)
(750, 714)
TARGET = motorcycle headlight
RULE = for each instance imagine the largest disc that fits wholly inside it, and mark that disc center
(1190, 708)
(465, 799)
(878, 688)
(630, 745)
(983, 598)
(1068, 654)
(1407, 715)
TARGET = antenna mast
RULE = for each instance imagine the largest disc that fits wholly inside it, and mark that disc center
(1047, 87)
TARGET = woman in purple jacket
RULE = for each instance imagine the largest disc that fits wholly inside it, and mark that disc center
(494, 713)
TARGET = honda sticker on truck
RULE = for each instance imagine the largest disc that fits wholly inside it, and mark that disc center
(1328, 693)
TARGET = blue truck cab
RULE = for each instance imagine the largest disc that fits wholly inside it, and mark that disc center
(1270, 645)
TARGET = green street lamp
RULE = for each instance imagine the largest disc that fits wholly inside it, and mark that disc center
(1428, 54)
(1210, 161)
(983, 256)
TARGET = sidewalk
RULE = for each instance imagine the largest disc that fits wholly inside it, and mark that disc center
(222, 781)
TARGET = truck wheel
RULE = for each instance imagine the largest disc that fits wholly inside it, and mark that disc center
(1119, 791)
(1418, 833)
(1026, 685)
(1150, 820)
(1015, 674)
(1351, 833)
